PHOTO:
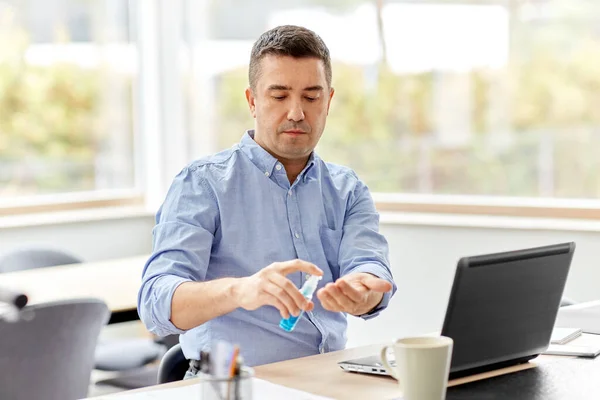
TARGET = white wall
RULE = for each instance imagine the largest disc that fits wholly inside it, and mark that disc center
(91, 240)
(423, 259)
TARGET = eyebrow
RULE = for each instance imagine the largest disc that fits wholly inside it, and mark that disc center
(313, 88)
(283, 87)
(279, 87)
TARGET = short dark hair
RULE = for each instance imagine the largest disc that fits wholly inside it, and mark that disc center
(288, 40)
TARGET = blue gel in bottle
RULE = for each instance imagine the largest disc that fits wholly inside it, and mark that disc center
(308, 289)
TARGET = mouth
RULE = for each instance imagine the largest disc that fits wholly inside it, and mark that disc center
(294, 132)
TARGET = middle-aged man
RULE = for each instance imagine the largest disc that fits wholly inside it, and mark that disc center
(240, 230)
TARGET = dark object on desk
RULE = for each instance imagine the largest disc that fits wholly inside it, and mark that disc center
(501, 310)
(50, 355)
(173, 365)
(12, 298)
(116, 355)
(562, 379)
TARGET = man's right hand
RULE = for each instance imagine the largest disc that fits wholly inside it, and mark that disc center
(269, 286)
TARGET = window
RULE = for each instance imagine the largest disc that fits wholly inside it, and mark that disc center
(439, 105)
(67, 75)
(493, 99)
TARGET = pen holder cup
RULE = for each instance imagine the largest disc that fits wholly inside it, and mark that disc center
(236, 388)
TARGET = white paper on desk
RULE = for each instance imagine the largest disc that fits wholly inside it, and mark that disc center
(261, 390)
(581, 315)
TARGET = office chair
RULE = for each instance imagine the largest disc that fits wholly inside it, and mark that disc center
(23, 259)
(141, 377)
(173, 365)
(116, 355)
(48, 353)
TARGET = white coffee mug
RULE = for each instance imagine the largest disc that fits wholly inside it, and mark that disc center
(422, 366)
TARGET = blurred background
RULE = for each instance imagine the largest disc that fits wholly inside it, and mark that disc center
(475, 123)
(438, 97)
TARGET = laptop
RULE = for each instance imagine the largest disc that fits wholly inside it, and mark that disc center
(501, 310)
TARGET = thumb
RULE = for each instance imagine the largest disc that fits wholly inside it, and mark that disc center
(376, 284)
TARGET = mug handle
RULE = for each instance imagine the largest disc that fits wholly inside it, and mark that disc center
(386, 364)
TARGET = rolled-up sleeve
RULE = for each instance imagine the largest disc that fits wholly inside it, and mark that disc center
(182, 241)
(363, 248)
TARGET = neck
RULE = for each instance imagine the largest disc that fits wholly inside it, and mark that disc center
(293, 167)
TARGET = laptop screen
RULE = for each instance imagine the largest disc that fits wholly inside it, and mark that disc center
(503, 306)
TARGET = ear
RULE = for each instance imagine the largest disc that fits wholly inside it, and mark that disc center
(331, 92)
(251, 101)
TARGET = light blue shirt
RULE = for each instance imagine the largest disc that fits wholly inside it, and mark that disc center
(234, 213)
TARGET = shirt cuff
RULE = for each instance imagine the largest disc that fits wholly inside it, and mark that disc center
(163, 299)
(382, 273)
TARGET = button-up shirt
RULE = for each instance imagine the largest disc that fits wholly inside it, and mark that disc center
(234, 213)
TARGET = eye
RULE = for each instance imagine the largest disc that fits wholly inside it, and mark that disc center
(311, 99)
(278, 97)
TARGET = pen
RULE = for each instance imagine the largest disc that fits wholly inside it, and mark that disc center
(234, 359)
(238, 377)
(233, 366)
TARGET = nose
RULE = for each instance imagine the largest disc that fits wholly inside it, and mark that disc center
(295, 113)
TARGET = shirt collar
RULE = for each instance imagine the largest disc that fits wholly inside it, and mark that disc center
(310, 171)
(259, 156)
(266, 162)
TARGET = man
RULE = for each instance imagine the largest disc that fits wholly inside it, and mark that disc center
(240, 231)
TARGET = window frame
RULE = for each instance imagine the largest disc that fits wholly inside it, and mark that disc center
(559, 208)
(24, 205)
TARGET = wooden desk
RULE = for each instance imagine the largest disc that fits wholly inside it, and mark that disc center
(321, 375)
(115, 281)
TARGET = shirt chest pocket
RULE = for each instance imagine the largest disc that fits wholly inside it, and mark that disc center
(330, 241)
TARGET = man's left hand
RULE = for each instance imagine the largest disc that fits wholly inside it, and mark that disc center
(355, 294)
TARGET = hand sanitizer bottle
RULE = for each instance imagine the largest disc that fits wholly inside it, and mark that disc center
(308, 289)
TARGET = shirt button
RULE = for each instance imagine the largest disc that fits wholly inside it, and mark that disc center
(267, 173)
(289, 193)
(278, 167)
(297, 235)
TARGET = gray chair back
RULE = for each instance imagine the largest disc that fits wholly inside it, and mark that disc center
(49, 353)
(23, 259)
(173, 365)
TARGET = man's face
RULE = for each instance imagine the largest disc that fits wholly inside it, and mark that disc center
(290, 104)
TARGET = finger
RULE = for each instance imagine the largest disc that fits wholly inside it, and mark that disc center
(280, 294)
(291, 289)
(275, 302)
(328, 302)
(340, 298)
(324, 299)
(376, 284)
(349, 291)
(287, 267)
